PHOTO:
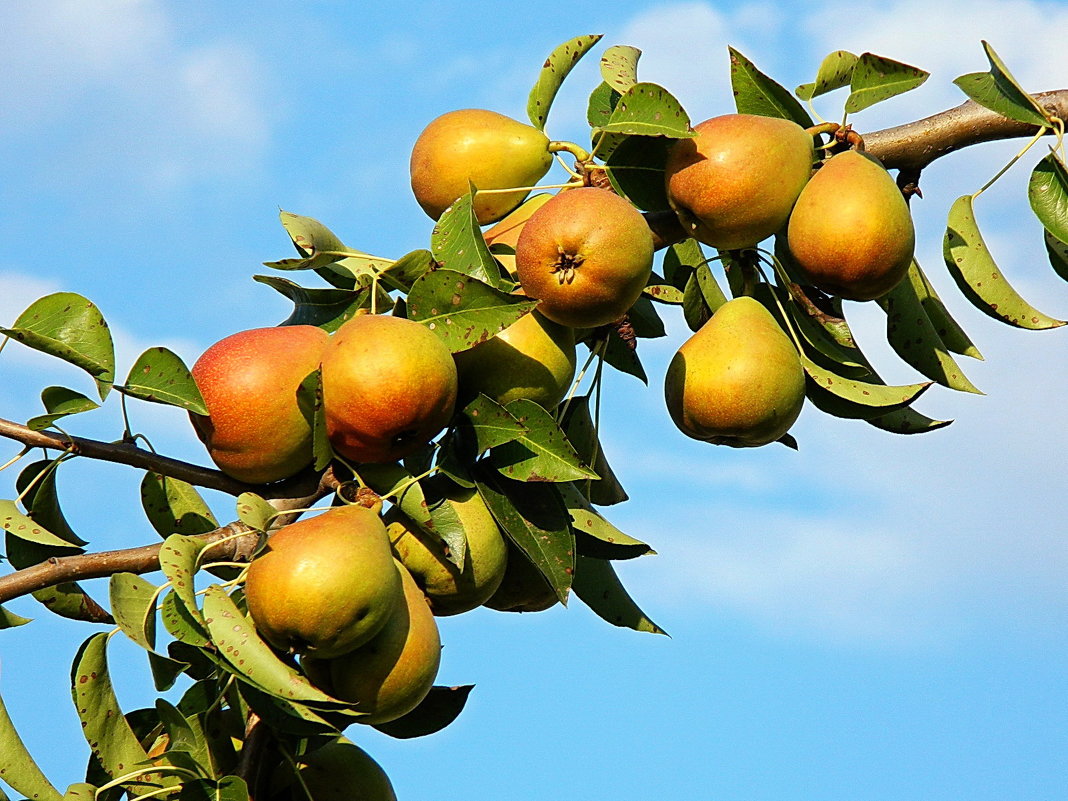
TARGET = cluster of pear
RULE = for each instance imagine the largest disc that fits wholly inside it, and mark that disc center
(743, 178)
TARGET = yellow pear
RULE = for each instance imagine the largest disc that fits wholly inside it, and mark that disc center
(851, 233)
(738, 380)
(450, 590)
(388, 676)
(324, 585)
(734, 184)
(533, 358)
(484, 148)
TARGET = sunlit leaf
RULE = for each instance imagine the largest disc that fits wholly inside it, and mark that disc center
(756, 93)
(647, 109)
(19, 525)
(998, 91)
(317, 245)
(20, 772)
(178, 557)
(1048, 193)
(9, 620)
(844, 397)
(254, 511)
(59, 402)
(175, 507)
(70, 327)
(598, 586)
(948, 329)
(402, 273)
(399, 483)
(542, 452)
(159, 375)
(602, 540)
(556, 67)
(619, 67)
(179, 622)
(835, 71)
(458, 245)
(133, 605)
(875, 79)
(973, 268)
(491, 424)
(326, 308)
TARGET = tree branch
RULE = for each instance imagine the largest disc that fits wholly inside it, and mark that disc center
(124, 453)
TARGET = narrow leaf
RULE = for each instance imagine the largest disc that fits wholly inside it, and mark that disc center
(20, 772)
(875, 79)
(1048, 193)
(602, 539)
(178, 560)
(907, 421)
(948, 329)
(9, 620)
(598, 586)
(582, 434)
(441, 707)
(19, 525)
(756, 93)
(556, 67)
(40, 495)
(310, 403)
(973, 268)
(159, 375)
(844, 397)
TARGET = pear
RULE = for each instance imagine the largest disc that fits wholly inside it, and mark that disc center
(586, 255)
(450, 590)
(506, 231)
(734, 184)
(255, 430)
(389, 387)
(337, 771)
(484, 148)
(326, 584)
(388, 676)
(523, 588)
(533, 358)
(851, 233)
(738, 380)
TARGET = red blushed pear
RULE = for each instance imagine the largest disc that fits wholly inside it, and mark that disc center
(255, 430)
(389, 386)
(586, 255)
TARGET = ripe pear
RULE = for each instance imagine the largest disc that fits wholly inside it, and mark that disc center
(255, 431)
(734, 184)
(533, 358)
(450, 590)
(506, 231)
(326, 584)
(484, 148)
(523, 588)
(586, 255)
(389, 386)
(388, 676)
(851, 233)
(738, 380)
(337, 771)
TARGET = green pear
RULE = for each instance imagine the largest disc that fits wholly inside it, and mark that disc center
(533, 358)
(851, 233)
(389, 387)
(255, 430)
(337, 771)
(326, 584)
(733, 184)
(484, 148)
(738, 380)
(388, 676)
(450, 590)
(586, 255)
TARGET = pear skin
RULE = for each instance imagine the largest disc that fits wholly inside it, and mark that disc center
(738, 380)
(851, 233)
(337, 771)
(733, 185)
(324, 585)
(523, 588)
(388, 676)
(449, 590)
(389, 387)
(533, 358)
(506, 231)
(255, 431)
(586, 255)
(484, 148)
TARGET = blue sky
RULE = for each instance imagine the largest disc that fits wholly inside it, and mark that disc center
(873, 617)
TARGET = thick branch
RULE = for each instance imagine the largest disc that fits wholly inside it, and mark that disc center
(124, 453)
(914, 145)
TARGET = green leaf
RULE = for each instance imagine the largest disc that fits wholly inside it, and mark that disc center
(542, 453)
(178, 560)
(551, 77)
(310, 403)
(251, 657)
(291, 717)
(876, 79)
(254, 511)
(913, 336)
(106, 729)
(599, 109)
(982, 283)
(582, 434)
(1048, 193)
(133, 603)
(66, 599)
(165, 671)
(491, 424)
(664, 293)
(1058, 255)
(907, 421)
(647, 109)
(948, 329)
(175, 507)
(9, 620)
(20, 772)
(619, 67)
(694, 308)
(756, 93)
(623, 357)
(844, 397)
(644, 319)
(159, 375)
(317, 245)
(386, 479)
(60, 402)
(536, 521)
(998, 91)
(402, 273)
(458, 245)
(180, 623)
(635, 169)
(602, 539)
(70, 327)
(37, 485)
(597, 585)
(441, 707)
(19, 525)
(835, 71)
(322, 307)
(461, 310)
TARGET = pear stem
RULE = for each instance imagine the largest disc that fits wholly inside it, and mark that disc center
(780, 273)
(399, 491)
(579, 152)
(594, 351)
(1034, 140)
(37, 478)
(14, 459)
